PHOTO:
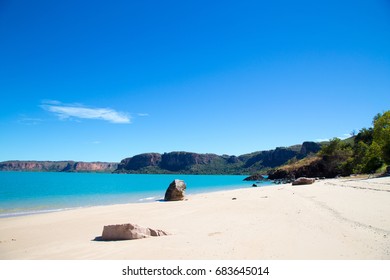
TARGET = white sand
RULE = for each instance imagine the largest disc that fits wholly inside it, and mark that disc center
(331, 219)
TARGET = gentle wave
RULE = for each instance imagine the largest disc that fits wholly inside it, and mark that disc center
(148, 199)
(33, 212)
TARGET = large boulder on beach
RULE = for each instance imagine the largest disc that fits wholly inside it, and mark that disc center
(303, 181)
(128, 232)
(175, 191)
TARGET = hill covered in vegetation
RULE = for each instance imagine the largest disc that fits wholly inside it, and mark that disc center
(176, 162)
(194, 163)
(367, 152)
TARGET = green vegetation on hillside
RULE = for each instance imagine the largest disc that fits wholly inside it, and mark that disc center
(367, 152)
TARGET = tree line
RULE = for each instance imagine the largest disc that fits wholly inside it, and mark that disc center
(369, 152)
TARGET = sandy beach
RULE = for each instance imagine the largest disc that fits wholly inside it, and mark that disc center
(331, 219)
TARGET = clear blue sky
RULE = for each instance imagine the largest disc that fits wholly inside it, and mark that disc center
(104, 80)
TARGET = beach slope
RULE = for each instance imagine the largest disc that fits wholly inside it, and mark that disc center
(331, 219)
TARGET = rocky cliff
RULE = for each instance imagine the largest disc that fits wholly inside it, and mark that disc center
(182, 162)
(176, 162)
(140, 161)
(281, 155)
(58, 166)
(193, 163)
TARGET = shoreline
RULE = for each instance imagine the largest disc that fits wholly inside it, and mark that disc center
(140, 201)
(16, 201)
(331, 219)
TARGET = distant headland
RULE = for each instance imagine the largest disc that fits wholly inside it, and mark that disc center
(176, 162)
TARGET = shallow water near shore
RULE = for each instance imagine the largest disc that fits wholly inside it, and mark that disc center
(23, 193)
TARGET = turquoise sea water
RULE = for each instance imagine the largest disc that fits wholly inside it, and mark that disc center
(24, 193)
